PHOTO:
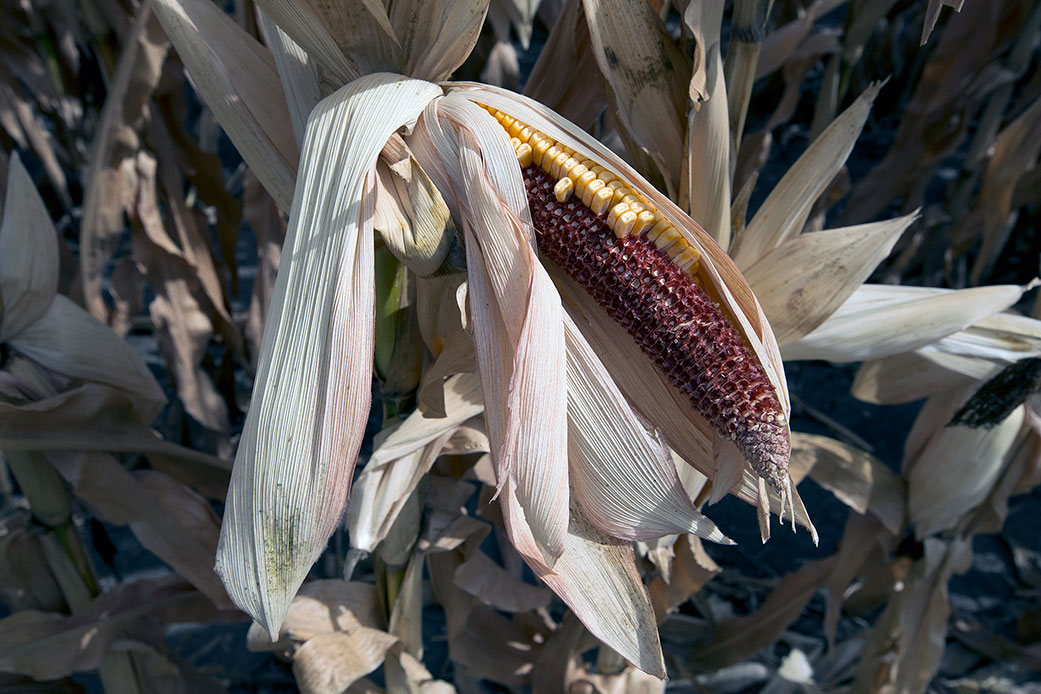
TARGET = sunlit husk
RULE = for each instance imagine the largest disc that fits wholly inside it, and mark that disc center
(311, 395)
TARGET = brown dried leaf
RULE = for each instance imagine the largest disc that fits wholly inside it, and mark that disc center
(168, 519)
(116, 140)
(739, 638)
(932, 13)
(90, 417)
(436, 37)
(48, 645)
(858, 479)
(491, 584)
(908, 641)
(560, 78)
(690, 569)
(332, 662)
(322, 607)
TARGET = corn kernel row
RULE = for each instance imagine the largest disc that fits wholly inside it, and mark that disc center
(626, 212)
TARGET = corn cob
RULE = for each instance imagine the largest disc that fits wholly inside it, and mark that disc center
(642, 271)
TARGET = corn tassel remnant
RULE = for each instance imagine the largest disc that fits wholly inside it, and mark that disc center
(642, 271)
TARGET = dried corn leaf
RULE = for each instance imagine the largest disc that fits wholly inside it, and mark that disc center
(90, 417)
(494, 586)
(28, 254)
(560, 77)
(690, 569)
(857, 479)
(785, 211)
(740, 638)
(912, 376)
(436, 37)
(879, 321)
(108, 188)
(332, 662)
(647, 80)
(322, 607)
(804, 280)
(237, 78)
(298, 72)
(907, 644)
(706, 169)
(49, 645)
(167, 518)
(932, 13)
(1015, 151)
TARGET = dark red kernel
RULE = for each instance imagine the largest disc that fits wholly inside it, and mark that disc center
(673, 320)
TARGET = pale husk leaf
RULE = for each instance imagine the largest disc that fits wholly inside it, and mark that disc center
(878, 321)
(28, 253)
(518, 326)
(401, 460)
(785, 211)
(804, 280)
(623, 476)
(707, 166)
(647, 81)
(912, 376)
(236, 76)
(311, 394)
(68, 340)
(411, 215)
(436, 37)
(596, 576)
(1005, 337)
(956, 468)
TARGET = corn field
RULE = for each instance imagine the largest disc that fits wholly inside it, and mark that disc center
(585, 346)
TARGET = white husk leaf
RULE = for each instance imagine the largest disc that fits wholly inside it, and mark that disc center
(311, 395)
(623, 476)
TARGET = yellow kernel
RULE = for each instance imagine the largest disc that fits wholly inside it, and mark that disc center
(525, 134)
(637, 207)
(515, 143)
(575, 171)
(619, 188)
(499, 115)
(601, 199)
(515, 128)
(524, 155)
(507, 121)
(688, 260)
(659, 227)
(625, 224)
(644, 221)
(581, 181)
(560, 163)
(597, 169)
(677, 247)
(612, 216)
(630, 197)
(548, 157)
(562, 191)
(538, 150)
(667, 237)
(535, 138)
(590, 190)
